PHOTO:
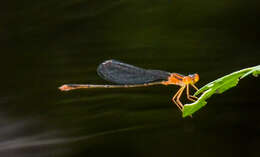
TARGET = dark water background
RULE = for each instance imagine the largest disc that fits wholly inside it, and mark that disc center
(45, 44)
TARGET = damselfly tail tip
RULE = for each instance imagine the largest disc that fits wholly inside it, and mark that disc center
(65, 88)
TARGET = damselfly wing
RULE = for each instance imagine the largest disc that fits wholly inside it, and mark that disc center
(126, 74)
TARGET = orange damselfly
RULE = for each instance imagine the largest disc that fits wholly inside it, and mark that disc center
(126, 75)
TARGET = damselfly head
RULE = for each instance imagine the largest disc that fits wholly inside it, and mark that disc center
(195, 78)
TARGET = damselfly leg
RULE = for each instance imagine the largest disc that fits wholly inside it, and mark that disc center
(177, 96)
(190, 97)
(180, 106)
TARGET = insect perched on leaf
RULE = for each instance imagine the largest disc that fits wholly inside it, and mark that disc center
(126, 75)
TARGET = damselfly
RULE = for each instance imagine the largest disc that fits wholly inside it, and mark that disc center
(126, 75)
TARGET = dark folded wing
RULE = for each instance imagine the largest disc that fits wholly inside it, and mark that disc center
(122, 73)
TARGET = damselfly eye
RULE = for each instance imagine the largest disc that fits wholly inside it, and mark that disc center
(195, 77)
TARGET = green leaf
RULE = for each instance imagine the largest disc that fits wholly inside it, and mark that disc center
(255, 71)
(218, 86)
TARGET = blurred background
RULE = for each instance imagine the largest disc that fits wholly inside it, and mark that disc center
(45, 44)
